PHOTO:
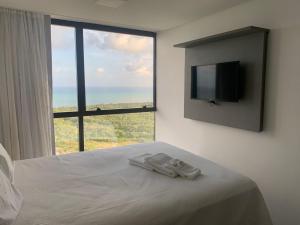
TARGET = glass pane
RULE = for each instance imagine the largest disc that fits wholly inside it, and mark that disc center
(117, 130)
(66, 135)
(64, 69)
(118, 70)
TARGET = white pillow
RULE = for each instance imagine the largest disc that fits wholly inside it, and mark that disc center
(6, 164)
(10, 201)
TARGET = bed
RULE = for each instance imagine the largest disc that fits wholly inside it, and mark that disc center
(101, 188)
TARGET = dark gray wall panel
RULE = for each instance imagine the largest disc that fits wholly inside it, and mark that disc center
(250, 50)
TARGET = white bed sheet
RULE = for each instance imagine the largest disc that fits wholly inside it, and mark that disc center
(101, 188)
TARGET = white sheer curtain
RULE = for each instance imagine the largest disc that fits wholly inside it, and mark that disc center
(26, 125)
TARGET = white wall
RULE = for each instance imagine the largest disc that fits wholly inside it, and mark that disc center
(270, 158)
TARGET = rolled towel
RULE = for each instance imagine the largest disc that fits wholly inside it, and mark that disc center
(184, 169)
(140, 161)
(160, 164)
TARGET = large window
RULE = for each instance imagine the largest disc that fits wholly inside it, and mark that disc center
(103, 86)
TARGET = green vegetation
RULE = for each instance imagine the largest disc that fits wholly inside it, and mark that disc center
(104, 131)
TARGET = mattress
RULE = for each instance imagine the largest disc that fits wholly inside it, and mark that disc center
(101, 188)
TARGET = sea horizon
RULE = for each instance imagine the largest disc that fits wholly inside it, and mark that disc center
(67, 96)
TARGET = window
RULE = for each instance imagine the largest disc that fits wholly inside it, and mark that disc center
(64, 74)
(120, 129)
(66, 135)
(118, 69)
(103, 86)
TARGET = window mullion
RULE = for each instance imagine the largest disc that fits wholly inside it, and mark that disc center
(80, 84)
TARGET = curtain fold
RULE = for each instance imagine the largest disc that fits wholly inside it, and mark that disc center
(26, 124)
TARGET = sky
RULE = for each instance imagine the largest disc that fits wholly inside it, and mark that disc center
(111, 59)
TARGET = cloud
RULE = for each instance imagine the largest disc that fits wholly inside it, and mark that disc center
(99, 71)
(119, 42)
(127, 43)
(62, 37)
(140, 68)
(143, 70)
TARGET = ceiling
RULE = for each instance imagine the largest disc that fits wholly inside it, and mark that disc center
(152, 15)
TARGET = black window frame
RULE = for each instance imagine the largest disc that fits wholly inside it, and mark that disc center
(82, 112)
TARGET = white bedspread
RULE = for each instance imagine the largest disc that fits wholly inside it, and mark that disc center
(101, 188)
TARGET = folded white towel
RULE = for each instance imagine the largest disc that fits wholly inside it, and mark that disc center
(140, 161)
(160, 164)
(183, 169)
(166, 165)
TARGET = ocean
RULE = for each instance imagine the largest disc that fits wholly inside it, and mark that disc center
(67, 96)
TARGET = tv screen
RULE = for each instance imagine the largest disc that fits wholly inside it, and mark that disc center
(216, 82)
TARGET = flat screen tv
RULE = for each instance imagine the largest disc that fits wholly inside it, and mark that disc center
(216, 82)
